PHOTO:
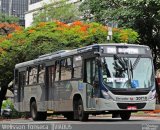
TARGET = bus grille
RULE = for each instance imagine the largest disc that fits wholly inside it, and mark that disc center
(125, 105)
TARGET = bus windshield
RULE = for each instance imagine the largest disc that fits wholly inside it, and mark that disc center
(126, 72)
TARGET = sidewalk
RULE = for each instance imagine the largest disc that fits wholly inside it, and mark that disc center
(147, 113)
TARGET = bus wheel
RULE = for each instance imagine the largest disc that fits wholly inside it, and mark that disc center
(81, 114)
(125, 115)
(36, 116)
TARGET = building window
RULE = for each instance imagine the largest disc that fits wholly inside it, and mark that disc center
(34, 1)
(16, 8)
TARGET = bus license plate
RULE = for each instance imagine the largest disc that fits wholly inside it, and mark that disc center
(131, 108)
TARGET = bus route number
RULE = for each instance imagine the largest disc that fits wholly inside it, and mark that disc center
(141, 98)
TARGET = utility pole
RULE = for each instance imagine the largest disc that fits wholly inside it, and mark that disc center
(10, 7)
(110, 33)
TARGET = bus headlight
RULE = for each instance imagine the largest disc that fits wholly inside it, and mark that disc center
(106, 95)
(152, 95)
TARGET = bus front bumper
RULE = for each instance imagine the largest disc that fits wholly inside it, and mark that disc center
(111, 105)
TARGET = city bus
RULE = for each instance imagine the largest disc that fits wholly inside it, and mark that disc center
(115, 79)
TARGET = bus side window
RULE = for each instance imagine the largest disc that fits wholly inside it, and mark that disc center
(91, 71)
(41, 72)
(57, 71)
(27, 76)
(22, 83)
(66, 69)
(50, 75)
(95, 72)
(69, 68)
(88, 74)
(32, 75)
(22, 78)
(77, 67)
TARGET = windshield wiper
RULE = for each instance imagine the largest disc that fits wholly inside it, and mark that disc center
(122, 66)
(121, 62)
(125, 65)
(136, 62)
(131, 68)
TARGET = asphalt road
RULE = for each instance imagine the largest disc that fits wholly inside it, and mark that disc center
(145, 122)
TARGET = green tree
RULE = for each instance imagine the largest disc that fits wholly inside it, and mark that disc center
(4, 18)
(7, 60)
(58, 10)
(141, 15)
(45, 37)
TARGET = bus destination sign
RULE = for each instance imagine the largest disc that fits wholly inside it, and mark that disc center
(124, 50)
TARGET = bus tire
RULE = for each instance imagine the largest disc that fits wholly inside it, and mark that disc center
(125, 115)
(82, 115)
(37, 116)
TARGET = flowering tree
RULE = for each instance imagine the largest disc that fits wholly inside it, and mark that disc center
(6, 28)
(6, 61)
(45, 37)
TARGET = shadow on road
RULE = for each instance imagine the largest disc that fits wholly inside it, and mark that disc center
(98, 120)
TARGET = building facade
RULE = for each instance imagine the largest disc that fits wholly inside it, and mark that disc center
(16, 8)
(34, 7)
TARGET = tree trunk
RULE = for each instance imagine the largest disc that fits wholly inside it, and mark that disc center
(155, 57)
(2, 95)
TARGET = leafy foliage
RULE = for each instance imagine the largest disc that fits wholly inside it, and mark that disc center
(125, 35)
(51, 36)
(45, 37)
(141, 15)
(7, 28)
(23, 45)
(4, 18)
(7, 104)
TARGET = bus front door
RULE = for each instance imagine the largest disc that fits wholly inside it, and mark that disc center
(91, 95)
(91, 73)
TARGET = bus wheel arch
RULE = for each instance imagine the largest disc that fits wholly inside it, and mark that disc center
(32, 99)
(36, 116)
(78, 109)
(33, 108)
